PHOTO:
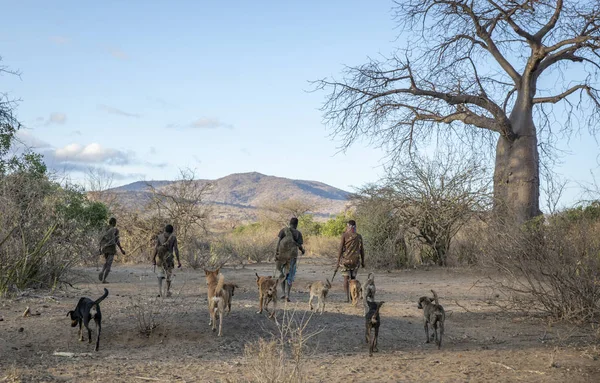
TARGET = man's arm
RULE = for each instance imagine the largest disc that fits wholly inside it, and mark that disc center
(341, 250)
(176, 251)
(362, 251)
(301, 243)
(279, 236)
(155, 252)
(119, 241)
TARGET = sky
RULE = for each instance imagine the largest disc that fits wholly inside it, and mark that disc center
(143, 89)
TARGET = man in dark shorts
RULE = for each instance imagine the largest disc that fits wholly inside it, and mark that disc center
(350, 253)
(286, 256)
(108, 247)
(166, 246)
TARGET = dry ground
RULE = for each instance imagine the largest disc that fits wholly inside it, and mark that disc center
(482, 344)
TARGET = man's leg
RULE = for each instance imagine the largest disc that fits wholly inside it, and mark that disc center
(290, 277)
(107, 266)
(160, 276)
(347, 287)
(169, 273)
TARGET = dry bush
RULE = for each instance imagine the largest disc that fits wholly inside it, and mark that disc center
(552, 265)
(196, 254)
(147, 315)
(255, 242)
(45, 230)
(282, 358)
(323, 246)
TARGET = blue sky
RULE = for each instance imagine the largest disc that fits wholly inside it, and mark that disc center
(143, 88)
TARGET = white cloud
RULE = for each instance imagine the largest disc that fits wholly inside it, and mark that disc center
(118, 112)
(92, 153)
(209, 123)
(30, 141)
(202, 123)
(57, 118)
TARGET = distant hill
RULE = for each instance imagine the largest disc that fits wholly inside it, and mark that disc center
(239, 196)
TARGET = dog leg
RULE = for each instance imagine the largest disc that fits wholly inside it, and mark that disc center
(435, 332)
(427, 330)
(323, 307)
(441, 334)
(375, 341)
(221, 322)
(260, 305)
(367, 334)
(371, 343)
(310, 302)
(89, 330)
(98, 321)
(80, 331)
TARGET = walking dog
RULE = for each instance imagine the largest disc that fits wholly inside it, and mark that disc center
(220, 301)
(369, 291)
(82, 314)
(355, 291)
(211, 282)
(372, 322)
(318, 289)
(230, 288)
(267, 292)
(434, 315)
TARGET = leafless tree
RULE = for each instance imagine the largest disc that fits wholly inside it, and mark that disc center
(477, 69)
(434, 198)
(97, 184)
(183, 204)
(280, 212)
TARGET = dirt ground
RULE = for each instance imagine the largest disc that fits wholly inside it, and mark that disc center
(482, 344)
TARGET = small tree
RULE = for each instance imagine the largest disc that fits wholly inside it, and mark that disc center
(183, 204)
(281, 212)
(433, 199)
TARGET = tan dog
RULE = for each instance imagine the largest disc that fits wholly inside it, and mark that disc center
(320, 290)
(230, 288)
(211, 282)
(220, 301)
(355, 291)
(267, 292)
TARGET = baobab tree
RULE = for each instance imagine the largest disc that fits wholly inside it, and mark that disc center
(487, 69)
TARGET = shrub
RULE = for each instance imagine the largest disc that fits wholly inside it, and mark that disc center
(552, 265)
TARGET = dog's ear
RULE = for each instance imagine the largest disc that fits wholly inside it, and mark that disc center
(217, 270)
(206, 272)
(232, 289)
(257, 277)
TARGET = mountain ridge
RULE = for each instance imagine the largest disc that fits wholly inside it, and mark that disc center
(242, 195)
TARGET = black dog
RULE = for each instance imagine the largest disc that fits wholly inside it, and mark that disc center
(82, 314)
(372, 322)
(434, 315)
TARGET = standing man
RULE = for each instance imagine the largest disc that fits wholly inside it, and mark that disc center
(351, 248)
(286, 255)
(166, 245)
(108, 247)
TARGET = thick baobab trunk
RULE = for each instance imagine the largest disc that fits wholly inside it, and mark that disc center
(516, 174)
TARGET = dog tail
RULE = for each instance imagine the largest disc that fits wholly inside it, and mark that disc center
(101, 298)
(370, 277)
(220, 283)
(435, 297)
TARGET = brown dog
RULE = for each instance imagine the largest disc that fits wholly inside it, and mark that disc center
(220, 301)
(230, 288)
(267, 292)
(211, 282)
(355, 291)
(318, 289)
